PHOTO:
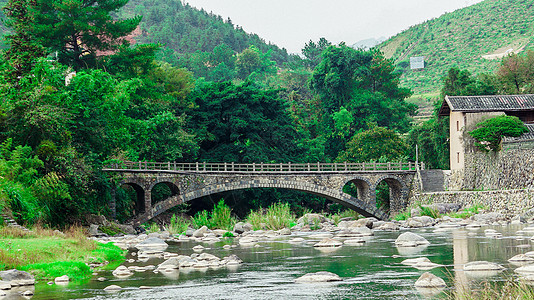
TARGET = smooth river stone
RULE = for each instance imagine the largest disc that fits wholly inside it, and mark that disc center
(429, 280)
(354, 242)
(528, 269)
(482, 266)
(409, 239)
(296, 240)
(318, 277)
(152, 245)
(521, 258)
(112, 288)
(321, 236)
(328, 243)
(122, 271)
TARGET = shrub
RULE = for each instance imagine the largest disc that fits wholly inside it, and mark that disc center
(405, 215)
(275, 217)
(178, 225)
(430, 212)
(219, 218)
(228, 234)
(490, 132)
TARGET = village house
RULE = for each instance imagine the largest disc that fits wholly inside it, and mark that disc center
(467, 111)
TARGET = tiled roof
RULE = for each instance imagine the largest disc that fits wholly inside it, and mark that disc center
(529, 136)
(491, 103)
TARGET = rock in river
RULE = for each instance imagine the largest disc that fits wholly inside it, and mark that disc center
(152, 245)
(409, 239)
(429, 280)
(482, 266)
(16, 277)
(318, 277)
(328, 243)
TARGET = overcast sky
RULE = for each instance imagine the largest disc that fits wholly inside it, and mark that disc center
(292, 23)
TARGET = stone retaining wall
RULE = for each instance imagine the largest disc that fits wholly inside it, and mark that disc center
(507, 202)
(506, 169)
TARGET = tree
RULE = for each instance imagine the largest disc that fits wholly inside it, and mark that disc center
(373, 144)
(312, 52)
(78, 29)
(23, 50)
(461, 83)
(489, 133)
(243, 123)
(516, 73)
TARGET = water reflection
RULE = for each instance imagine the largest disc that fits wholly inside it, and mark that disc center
(370, 271)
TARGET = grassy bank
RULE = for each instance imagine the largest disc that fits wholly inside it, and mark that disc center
(48, 254)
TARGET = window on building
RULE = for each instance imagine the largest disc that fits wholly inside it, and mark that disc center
(457, 125)
(458, 157)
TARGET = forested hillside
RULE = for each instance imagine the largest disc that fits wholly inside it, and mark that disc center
(474, 38)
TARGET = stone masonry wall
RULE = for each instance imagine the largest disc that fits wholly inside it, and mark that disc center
(507, 202)
(506, 169)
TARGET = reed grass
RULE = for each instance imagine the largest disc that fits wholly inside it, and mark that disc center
(275, 217)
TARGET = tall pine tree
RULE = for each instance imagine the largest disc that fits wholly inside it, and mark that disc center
(24, 49)
(77, 29)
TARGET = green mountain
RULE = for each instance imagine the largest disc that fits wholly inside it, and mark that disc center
(183, 29)
(473, 38)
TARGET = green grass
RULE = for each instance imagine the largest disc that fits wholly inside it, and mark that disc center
(510, 289)
(178, 225)
(402, 216)
(275, 217)
(430, 212)
(47, 255)
(467, 212)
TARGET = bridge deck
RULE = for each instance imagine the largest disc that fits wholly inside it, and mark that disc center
(258, 168)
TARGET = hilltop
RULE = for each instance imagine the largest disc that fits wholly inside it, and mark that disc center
(472, 38)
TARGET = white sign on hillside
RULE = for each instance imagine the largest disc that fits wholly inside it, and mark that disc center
(417, 62)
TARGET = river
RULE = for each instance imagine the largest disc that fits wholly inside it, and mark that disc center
(370, 271)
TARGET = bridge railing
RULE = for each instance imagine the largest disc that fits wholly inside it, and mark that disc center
(263, 167)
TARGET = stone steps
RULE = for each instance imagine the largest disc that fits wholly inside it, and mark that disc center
(433, 180)
(9, 222)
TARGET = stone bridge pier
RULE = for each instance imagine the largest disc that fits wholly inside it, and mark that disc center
(187, 186)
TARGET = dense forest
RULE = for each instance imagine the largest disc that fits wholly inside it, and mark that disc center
(80, 93)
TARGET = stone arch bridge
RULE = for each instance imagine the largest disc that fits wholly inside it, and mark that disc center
(190, 181)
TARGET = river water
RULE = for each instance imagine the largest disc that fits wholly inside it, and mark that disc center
(370, 271)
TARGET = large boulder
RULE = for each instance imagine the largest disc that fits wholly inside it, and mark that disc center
(152, 245)
(122, 271)
(311, 219)
(409, 239)
(241, 227)
(366, 222)
(489, 218)
(388, 226)
(417, 222)
(200, 232)
(318, 277)
(16, 277)
(429, 280)
(127, 229)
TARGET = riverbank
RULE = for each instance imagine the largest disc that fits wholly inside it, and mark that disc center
(48, 254)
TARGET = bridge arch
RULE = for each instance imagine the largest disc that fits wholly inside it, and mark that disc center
(363, 188)
(140, 205)
(335, 195)
(397, 188)
(172, 189)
